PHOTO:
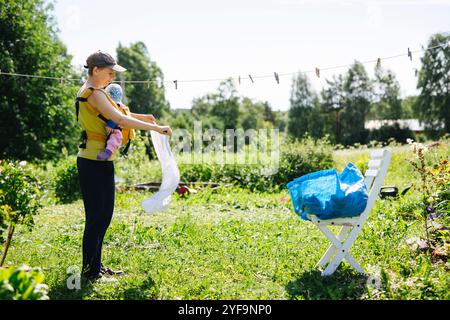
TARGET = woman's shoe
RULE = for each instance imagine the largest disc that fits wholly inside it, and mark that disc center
(108, 271)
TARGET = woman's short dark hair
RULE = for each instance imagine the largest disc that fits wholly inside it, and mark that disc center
(91, 70)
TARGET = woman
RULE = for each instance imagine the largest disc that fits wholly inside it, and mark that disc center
(94, 107)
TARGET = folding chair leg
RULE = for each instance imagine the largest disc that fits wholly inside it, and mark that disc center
(343, 252)
(332, 249)
(331, 268)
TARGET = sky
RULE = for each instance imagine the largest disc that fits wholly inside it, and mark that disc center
(209, 39)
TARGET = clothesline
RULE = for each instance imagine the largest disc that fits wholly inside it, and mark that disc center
(238, 78)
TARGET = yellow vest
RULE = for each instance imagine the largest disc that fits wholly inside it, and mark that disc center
(94, 125)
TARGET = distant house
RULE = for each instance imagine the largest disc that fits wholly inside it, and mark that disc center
(412, 124)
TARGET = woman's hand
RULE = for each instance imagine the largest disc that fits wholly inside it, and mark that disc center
(166, 130)
(144, 117)
(149, 118)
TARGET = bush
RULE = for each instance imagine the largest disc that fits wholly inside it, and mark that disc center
(136, 166)
(394, 131)
(303, 156)
(20, 195)
(434, 186)
(66, 184)
(296, 159)
(22, 283)
(196, 172)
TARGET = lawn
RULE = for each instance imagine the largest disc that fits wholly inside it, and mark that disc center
(231, 243)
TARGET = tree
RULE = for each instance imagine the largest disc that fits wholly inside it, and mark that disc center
(226, 106)
(269, 115)
(303, 111)
(281, 120)
(433, 103)
(37, 115)
(218, 110)
(358, 95)
(387, 103)
(202, 111)
(333, 101)
(201, 106)
(182, 121)
(251, 114)
(142, 97)
(408, 107)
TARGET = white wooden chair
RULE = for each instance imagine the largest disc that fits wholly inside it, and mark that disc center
(351, 227)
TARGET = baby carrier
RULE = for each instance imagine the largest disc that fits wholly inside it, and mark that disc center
(81, 101)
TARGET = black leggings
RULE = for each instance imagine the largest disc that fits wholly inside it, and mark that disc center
(98, 191)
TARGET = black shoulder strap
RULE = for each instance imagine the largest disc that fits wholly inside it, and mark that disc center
(84, 99)
(83, 139)
(125, 150)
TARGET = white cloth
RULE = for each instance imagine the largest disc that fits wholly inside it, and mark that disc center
(170, 175)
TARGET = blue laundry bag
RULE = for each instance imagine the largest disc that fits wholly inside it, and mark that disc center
(328, 194)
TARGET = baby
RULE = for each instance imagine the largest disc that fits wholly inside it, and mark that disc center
(114, 139)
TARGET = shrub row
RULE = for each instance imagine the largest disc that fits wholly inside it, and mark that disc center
(296, 158)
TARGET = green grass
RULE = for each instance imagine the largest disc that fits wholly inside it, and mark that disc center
(231, 243)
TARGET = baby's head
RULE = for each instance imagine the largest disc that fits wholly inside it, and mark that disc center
(115, 92)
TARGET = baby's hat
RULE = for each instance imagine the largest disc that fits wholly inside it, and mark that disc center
(115, 92)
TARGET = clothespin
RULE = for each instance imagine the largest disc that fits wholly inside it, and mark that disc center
(276, 77)
(250, 76)
(378, 63)
(416, 72)
(409, 54)
(148, 84)
(176, 84)
(62, 80)
(318, 72)
(239, 79)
